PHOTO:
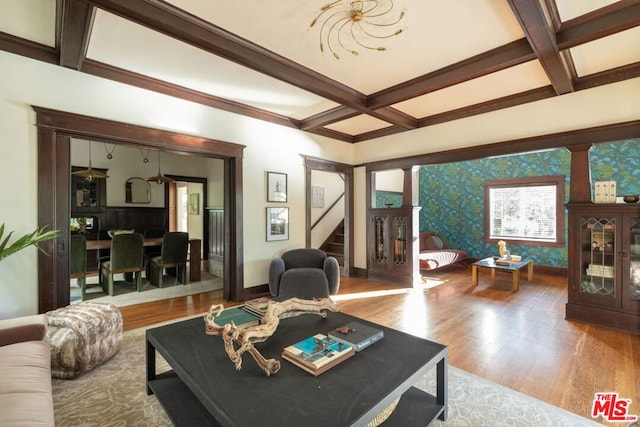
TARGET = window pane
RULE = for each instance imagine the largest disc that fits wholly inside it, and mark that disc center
(523, 213)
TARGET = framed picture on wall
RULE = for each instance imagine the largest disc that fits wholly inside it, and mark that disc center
(276, 187)
(194, 204)
(277, 224)
(317, 197)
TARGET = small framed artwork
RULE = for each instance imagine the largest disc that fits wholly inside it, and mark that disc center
(194, 204)
(317, 197)
(277, 224)
(276, 187)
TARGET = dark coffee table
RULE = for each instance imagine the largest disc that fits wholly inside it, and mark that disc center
(513, 268)
(205, 389)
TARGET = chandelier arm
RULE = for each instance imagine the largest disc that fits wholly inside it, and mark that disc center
(329, 18)
(331, 29)
(362, 44)
(375, 36)
(323, 10)
(369, 22)
(354, 52)
(375, 5)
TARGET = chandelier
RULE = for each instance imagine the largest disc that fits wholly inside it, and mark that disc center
(358, 20)
(160, 178)
(90, 173)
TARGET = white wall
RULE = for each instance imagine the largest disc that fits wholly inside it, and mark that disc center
(26, 82)
(333, 186)
(268, 148)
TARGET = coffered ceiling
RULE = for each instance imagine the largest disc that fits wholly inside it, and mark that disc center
(453, 59)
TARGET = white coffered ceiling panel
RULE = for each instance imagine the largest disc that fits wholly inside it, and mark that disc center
(33, 20)
(359, 124)
(282, 26)
(603, 54)
(496, 85)
(132, 47)
(569, 9)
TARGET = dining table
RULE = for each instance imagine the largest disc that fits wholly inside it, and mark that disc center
(194, 258)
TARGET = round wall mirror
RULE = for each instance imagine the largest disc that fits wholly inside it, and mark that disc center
(137, 190)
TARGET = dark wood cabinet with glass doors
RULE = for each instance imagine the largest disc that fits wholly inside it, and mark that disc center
(393, 245)
(604, 264)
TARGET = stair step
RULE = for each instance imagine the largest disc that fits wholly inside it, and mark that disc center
(336, 247)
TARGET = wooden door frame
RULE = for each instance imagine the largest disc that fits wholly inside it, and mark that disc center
(55, 130)
(312, 163)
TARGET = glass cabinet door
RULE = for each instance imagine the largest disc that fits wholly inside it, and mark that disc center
(381, 250)
(598, 262)
(400, 240)
(633, 286)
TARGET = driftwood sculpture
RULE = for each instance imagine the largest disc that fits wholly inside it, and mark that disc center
(246, 337)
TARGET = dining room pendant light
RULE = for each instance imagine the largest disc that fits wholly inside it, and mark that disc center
(159, 178)
(90, 174)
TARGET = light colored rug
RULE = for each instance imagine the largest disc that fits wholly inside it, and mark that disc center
(125, 294)
(114, 394)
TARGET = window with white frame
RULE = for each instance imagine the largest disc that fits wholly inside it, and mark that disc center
(525, 210)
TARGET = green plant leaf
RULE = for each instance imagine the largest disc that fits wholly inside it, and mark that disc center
(32, 239)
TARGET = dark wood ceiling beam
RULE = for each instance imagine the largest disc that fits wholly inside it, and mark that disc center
(497, 59)
(541, 36)
(598, 134)
(20, 46)
(379, 133)
(488, 106)
(333, 115)
(618, 74)
(76, 22)
(145, 82)
(175, 22)
(587, 82)
(333, 134)
(600, 23)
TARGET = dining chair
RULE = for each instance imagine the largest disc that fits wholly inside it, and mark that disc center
(78, 262)
(153, 251)
(173, 256)
(127, 256)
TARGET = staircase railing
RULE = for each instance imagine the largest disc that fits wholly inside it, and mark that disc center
(326, 212)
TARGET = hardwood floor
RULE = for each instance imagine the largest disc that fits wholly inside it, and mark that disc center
(520, 340)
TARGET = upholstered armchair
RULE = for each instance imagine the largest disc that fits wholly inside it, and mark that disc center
(304, 273)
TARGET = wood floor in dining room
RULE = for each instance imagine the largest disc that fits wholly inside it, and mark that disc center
(519, 340)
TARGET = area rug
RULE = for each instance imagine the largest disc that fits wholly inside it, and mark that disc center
(114, 394)
(125, 294)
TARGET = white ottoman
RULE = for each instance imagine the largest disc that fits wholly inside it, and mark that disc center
(83, 336)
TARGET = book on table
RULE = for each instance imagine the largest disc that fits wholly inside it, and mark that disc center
(258, 306)
(318, 353)
(356, 334)
(241, 318)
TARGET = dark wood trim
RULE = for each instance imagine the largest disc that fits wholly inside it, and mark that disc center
(557, 180)
(233, 266)
(55, 129)
(541, 37)
(327, 117)
(23, 47)
(580, 190)
(602, 22)
(77, 21)
(598, 134)
(118, 132)
(312, 163)
(514, 53)
(488, 106)
(110, 72)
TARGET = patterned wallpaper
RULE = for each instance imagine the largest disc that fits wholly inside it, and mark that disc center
(452, 195)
